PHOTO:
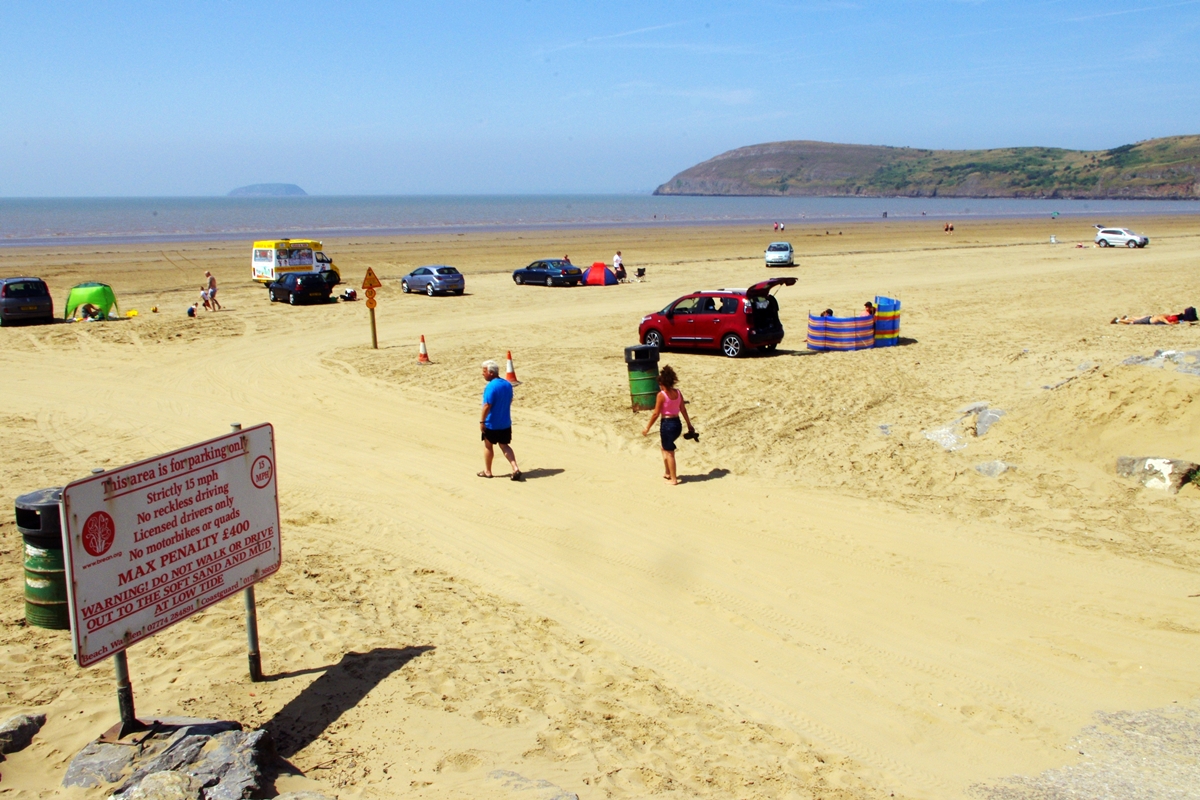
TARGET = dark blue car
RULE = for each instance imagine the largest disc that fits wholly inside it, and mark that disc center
(549, 272)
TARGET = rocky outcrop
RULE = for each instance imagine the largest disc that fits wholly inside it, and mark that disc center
(1169, 474)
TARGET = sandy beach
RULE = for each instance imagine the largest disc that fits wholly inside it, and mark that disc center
(832, 604)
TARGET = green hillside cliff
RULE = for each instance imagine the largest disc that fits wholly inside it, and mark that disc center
(1157, 169)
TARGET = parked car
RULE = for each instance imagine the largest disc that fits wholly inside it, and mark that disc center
(25, 299)
(779, 254)
(434, 279)
(549, 272)
(732, 320)
(1114, 237)
(300, 287)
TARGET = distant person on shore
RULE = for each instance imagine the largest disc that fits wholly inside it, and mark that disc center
(777, 227)
(619, 268)
(212, 291)
(617, 261)
(781, 227)
(191, 312)
(204, 299)
(951, 228)
(946, 228)
(567, 259)
(827, 312)
(869, 308)
(495, 421)
(670, 405)
(1187, 315)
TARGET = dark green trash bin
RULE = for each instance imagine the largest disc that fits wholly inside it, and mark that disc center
(642, 361)
(45, 572)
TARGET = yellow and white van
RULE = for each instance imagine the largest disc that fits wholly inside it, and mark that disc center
(277, 257)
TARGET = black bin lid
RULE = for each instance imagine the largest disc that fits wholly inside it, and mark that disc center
(641, 354)
(37, 512)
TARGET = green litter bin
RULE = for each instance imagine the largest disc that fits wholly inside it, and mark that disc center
(642, 361)
(45, 571)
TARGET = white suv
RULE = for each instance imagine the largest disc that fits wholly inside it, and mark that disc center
(1114, 237)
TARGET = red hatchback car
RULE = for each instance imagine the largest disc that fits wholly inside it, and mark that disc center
(732, 320)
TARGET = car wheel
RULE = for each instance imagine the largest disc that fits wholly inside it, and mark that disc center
(404, 287)
(731, 345)
(653, 339)
(518, 279)
(1132, 243)
(271, 294)
(292, 298)
(429, 289)
(1103, 243)
(549, 281)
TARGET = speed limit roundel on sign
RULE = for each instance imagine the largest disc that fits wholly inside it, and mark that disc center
(370, 302)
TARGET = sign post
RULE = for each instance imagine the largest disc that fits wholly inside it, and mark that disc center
(149, 544)
(370, 284)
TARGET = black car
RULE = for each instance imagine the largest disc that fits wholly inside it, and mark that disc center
(300, 287)
(549, 272)
(25, 299)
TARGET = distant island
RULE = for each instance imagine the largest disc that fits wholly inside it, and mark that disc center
(1156, 169)
(269, 190)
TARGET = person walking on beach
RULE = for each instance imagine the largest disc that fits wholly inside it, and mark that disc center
(212, 291)
(495, 421)
(670, 405)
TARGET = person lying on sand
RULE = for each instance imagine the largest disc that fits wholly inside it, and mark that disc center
(1187, 315)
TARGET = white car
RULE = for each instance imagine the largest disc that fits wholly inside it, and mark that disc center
(779, 254)
(1115, 237)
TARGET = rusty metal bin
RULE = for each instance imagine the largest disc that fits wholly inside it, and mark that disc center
(45, 571)
(642, 361)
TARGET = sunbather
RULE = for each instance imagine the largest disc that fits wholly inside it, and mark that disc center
(1187, 315)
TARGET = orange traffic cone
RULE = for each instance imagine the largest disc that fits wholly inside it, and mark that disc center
(510, 374)
(423, 358)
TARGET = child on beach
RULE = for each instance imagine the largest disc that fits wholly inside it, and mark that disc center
(670, 405)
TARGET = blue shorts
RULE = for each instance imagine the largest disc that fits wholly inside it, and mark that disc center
(669, 430)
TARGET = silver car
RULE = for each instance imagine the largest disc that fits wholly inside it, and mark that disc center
(434, 279)
(1115, 237)
(25, 299)
(779, 254)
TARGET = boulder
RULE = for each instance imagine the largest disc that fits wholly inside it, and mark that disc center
(18, 732)
(166, 786)
(1157, 473)
(216, 758)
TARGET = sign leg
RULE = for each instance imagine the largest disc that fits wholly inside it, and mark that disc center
(129, 722)
(252, 635)
(374, 339)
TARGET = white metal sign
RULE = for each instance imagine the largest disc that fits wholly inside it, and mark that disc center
(154, 542)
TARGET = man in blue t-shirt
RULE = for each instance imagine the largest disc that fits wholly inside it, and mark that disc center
(495, 422)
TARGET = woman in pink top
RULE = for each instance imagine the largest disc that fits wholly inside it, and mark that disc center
(671, 406)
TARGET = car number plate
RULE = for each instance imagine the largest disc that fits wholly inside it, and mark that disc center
(29, 308)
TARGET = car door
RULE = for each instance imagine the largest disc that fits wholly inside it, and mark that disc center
(421, 278)
(681, 328)
(704, 330)
(535, 272)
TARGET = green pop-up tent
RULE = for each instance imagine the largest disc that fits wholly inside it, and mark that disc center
(98, 294)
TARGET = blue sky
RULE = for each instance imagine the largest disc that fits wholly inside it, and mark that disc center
(177, 99)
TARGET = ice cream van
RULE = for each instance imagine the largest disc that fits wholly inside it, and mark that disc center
(277, 257)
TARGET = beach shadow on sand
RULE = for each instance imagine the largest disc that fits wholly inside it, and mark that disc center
(711, 475)
(342, 686)
(542, 473)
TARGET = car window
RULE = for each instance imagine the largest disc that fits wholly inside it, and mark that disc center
(1111, 233)
(728, 305)
(324, 259)
(422, 271)
(778, 248)
(536, 265)
(25, 289)
(687, 305)
(447, 271)
(707, 305)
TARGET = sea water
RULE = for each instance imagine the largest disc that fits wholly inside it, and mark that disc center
(40, 221)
